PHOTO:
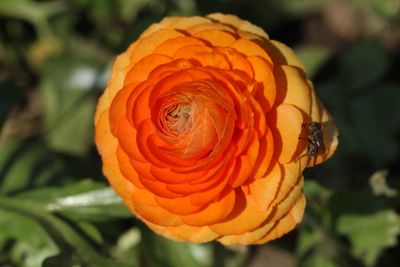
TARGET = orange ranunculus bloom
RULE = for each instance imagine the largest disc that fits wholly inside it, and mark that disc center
(203, 131)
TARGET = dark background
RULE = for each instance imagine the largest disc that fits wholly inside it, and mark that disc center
(55, 206)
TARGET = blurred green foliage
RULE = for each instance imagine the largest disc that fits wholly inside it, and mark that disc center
(55, 206)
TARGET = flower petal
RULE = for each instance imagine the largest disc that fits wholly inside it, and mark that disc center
(214, 212)
(286, 123)
(263, 191)
(145, 46)
(287, 223)
(293, 88)
(250, 48)
(215, 37)
(141, 70)
(284, 55)
(203, 54)
(266, 93)
(146, 207)
(107, 145)
(170, 46)
(238, 222)
(176, 23)
(235, 22)
(185, 233)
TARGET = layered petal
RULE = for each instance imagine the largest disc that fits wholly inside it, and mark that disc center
(203, 130)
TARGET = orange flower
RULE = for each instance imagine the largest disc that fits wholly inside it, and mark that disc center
(202, 130)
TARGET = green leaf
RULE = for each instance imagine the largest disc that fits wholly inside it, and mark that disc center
(62, 260)
(308, 239)
(23, 9)
(363, 64)
(100, 197)
(83, 200)
(50, 194)
(232, 256)
(387, 10)
(377, 124)
(25, 164)
(313, 57)
(69, 106)
(127, 247)
(379, 184)
(313, 188)
(318, 260)
(370, 234)
(341, 204)
(30, 243)
(9, 93)
(78, 201)
(303, 7)
(317, 212)
(97, 205)
(34, 12)
(29, 164)
(161, 252)
(129, 9)
(67, 239)
(90, 230)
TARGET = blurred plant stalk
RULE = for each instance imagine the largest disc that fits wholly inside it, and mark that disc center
(37, 14)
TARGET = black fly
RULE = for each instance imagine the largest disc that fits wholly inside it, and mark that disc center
(315, 139)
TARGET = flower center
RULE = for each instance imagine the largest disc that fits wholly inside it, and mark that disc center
(178, 118)
(193, 120)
